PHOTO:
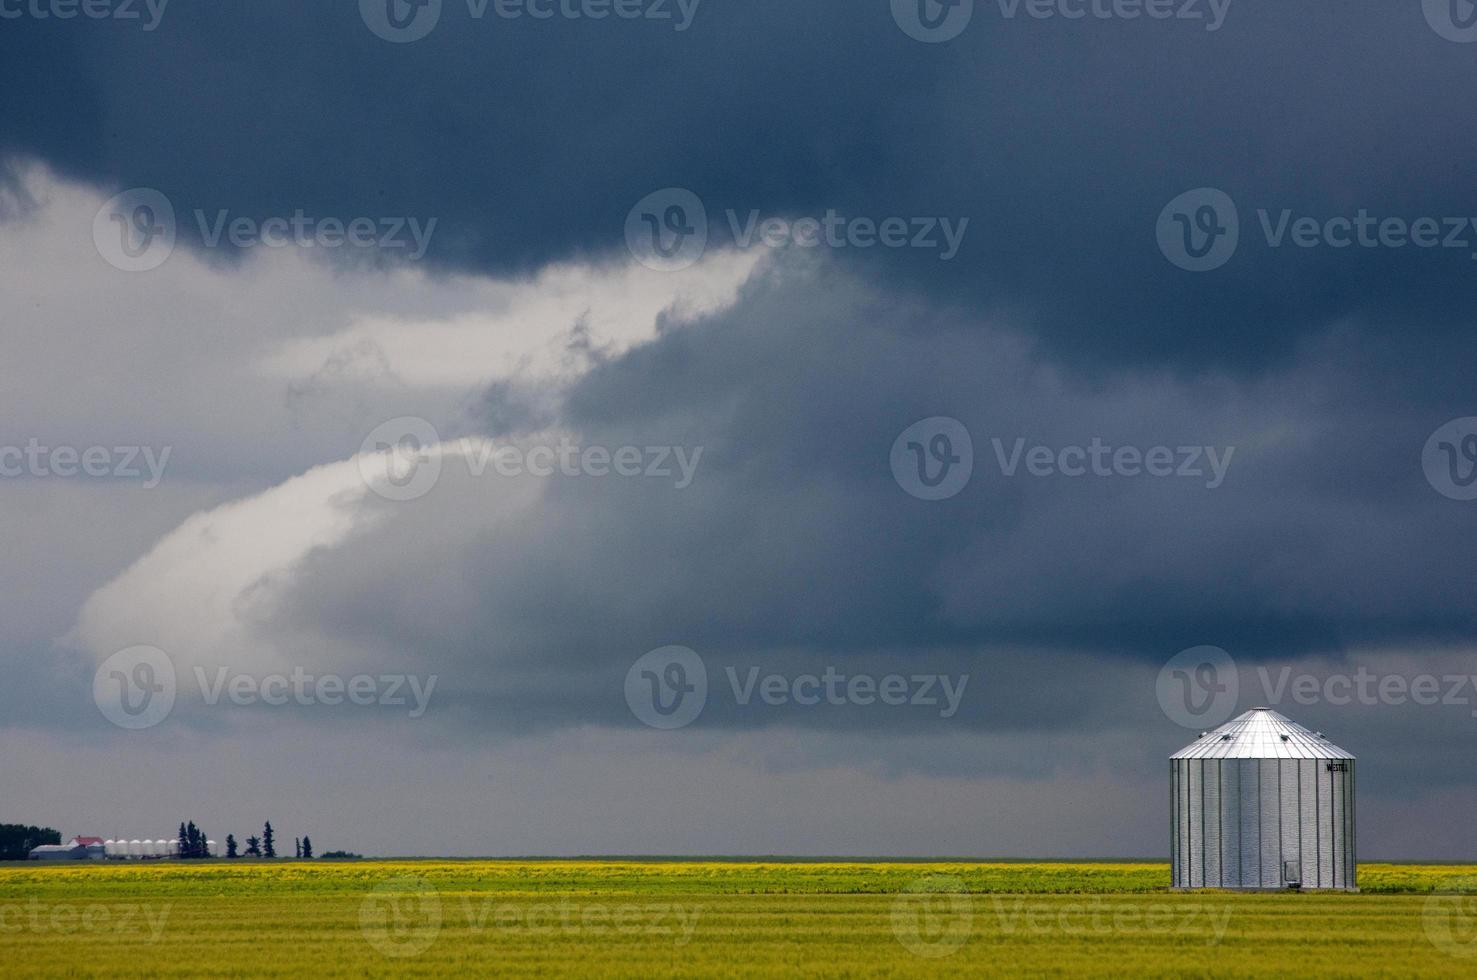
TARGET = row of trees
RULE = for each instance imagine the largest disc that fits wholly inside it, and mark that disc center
(17, 840)
(194, 844)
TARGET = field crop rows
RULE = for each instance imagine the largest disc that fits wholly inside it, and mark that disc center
(446, 918)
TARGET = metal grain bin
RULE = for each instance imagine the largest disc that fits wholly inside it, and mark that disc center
(1261, 802)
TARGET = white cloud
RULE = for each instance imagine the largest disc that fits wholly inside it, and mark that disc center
(266, 366)
(531, 329)
(263, 376)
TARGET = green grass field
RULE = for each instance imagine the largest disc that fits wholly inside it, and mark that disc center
(681, 918)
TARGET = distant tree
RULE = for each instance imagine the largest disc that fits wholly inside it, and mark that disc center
(253, 847)
(341, 856)
(184, 842)
(231, 846)
(18, 840)
(307, 847)
(269, 844)
(193, 848)
(204, 845)
(297, 847)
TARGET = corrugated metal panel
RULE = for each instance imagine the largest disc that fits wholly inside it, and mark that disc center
(1308, 819)
(1290, 815)
(1196, 863)
(1212, 822)
(1174, 823)
(1187, 850)
(1261, 733)
(1271, 818)
(1325, 824)
(1338, 861)
(1352, 812)
(1250, 830)
(1231, 822)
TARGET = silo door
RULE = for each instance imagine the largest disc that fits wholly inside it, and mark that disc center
(1292, 873)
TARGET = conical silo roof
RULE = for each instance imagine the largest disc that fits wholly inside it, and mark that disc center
(1261, 733)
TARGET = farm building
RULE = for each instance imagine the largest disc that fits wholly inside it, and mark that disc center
(1262, 802)
(123, 848)
(77, 849)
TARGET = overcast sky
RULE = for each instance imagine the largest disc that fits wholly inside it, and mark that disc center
(731, 427)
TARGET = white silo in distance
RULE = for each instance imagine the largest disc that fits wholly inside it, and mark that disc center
(1262, 802)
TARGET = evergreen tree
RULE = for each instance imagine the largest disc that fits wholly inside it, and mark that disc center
(231, 845)
(204, 845)
(269, 844)
(297, 847)
(184, 842)
(192, 841)
(307, 847)
(253, 847)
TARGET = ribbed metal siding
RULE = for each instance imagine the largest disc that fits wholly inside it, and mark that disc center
(1196, 814)
(1250, 829)
(1185, 822)
(1349, 815)
(1230, 823)
(1174, 824)
(1345, 864)
(1325, 824)
(1288, 815)
(1176, 834)
(1271, 819)
(1211, 780)
(1308, 818)
(1337, 869)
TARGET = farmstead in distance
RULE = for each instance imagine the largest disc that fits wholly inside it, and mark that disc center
(77, 849)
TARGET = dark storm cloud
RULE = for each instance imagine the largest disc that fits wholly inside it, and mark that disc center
(1060, 140)
(795, 548)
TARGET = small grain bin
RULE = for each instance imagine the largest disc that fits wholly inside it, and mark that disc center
(1261, 802)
